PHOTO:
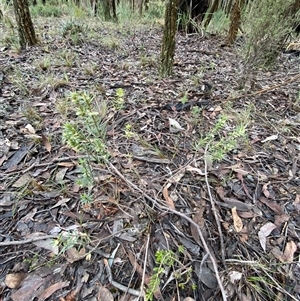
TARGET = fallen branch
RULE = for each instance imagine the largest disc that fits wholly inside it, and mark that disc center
(26, 241)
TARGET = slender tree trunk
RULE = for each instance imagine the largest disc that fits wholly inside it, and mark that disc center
(141, 3)
(106, 10)
(168, 43)
(146, 5)
(213, 9)
(25, 26)
(114, 10)
(235, 21)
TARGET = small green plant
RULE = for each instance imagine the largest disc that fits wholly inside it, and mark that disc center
(184, 98)
(69, 58)
(118, 101)
(86, 198)
(20, 79)
(148, 61)
(219, 22)
(129, 133)
(165, 259)
(44, 63)
(74, 31)
(69, 240)
(111, 43)
(220, 145)
(89, 68)
(86, 133)
(156, 9)
(196, 112)
(32, 261)
(33, 116)
(48, 80)
(46, 10)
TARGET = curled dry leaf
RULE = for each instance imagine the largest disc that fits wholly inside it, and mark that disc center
(197, 170)
(46, 143)
(169, 201)
(237, 222)
(264, 232)
(175, 126)
(30, 129)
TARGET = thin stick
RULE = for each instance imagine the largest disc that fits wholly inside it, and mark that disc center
(213, 206)
(145, 264)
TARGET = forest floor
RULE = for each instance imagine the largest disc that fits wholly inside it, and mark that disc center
(201, 188)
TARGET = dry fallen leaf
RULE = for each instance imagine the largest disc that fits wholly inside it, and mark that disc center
(272, 205)
(264, 232)
(280, 219)
(177, 177)
(74, 255)
(288, 254)
(49, 291)
(296, 203)
(22, 181)
(60, 174)
(14, 280)
(237, 222)
(46, 143)
(175, 126)
(235, 276)
(270, 138)
(30, 129)
(104, 294)
(265, 190)
(197, 170)
(169, 201)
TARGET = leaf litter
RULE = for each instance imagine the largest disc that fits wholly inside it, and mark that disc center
(106, 248)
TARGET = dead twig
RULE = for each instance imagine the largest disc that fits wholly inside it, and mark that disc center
(145, 264)
(26, 241)
(213, 206)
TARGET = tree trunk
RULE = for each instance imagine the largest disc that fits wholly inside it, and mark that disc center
(213, 9)
(235, 21)
(108, 7)
(114, 10)
(25, 26)
(168, 43)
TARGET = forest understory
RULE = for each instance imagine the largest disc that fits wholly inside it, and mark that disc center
(200, 190)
